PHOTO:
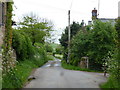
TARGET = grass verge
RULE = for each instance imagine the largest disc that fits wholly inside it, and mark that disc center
(111, 84)
(71, 67)
(18, 77)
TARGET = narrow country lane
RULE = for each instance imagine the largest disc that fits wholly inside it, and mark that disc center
(52, 75)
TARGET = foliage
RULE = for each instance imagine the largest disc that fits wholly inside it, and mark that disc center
(54, 45)
(118, 51)
(75, 27)
(28, 54)
(8, 62)
(80, 45)
(29, 57)
(40, 52)
(23, 69)
(59, 56)
(117, 26)
(118, 42)
(49, 48)
(114, 63)
(8, 27)
(111, 83)
(59, 49)
(36, 30)
(71, 67)
(22, 45)
(17, 77)
(50, 57)
(95, 43)
(28, 43)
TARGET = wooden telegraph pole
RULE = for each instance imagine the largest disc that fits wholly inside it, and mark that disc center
(68, 58)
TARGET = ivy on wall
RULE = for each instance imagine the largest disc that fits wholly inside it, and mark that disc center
(7, 55)
(8, 24)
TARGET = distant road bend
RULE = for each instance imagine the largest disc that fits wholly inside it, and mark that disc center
(52, 75)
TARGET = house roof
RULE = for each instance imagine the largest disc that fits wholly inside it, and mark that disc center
(107, 18)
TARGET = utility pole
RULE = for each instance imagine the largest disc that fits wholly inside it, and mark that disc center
(98, 7)
(68, 58)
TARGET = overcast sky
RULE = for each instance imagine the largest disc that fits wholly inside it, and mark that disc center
(57, 10)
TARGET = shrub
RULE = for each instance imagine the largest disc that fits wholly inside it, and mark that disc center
(40, 52)
(114, 63)
(95, 43)
(59, 49)
(22, 45)
(48, 48)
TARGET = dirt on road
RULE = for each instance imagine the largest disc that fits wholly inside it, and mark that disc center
(52, 75)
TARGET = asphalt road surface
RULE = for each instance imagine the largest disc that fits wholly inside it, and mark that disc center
(52, 75)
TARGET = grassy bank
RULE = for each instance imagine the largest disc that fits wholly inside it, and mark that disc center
(71, 67)
(111, 84)
(18, 77)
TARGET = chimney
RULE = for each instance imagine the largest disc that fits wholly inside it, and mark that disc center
(94, 14)
(119, 9)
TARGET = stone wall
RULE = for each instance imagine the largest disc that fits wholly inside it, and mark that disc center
(2, 25)
(0, 14)
(2, 21)
(84, 62)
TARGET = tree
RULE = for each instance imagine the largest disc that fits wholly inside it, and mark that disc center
(59, 49)
(117, 26)
(80, 45)
(75, 27)
(36, 30)
(22, 45)
(49, 48)
(103, 36)
(95, 43)
(114, 62)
